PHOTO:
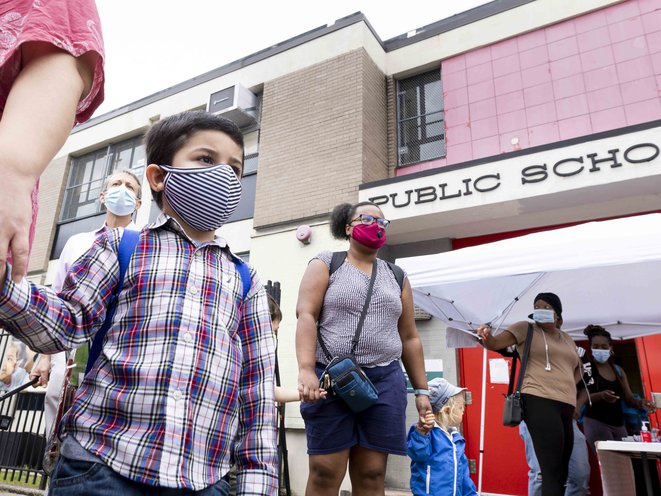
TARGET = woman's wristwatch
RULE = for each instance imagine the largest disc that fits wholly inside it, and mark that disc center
(421, 392)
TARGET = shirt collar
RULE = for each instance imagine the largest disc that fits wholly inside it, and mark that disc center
(164, 220)
(130, 226)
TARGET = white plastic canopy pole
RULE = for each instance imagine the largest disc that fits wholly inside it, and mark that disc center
(483, 409)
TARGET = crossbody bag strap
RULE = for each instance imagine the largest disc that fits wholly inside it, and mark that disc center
(359, 327)
(510, 386)
(524, 358)
(323, 347)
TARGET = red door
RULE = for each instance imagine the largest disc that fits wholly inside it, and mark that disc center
(505, 467)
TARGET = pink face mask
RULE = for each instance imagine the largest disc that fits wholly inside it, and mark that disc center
(372, 236)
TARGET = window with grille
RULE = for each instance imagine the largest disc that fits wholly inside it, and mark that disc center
(88, 173)
(420, 118)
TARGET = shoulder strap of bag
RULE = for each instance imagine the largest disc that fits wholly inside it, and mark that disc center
(244, 271)
(127, 245)
(510, 386)
(524, 358)
(359, 327)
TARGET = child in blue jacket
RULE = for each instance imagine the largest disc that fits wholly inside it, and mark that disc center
(438, 462)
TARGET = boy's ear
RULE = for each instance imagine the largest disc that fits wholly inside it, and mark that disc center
(155, 177)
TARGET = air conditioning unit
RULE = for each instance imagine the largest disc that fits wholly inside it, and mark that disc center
(235, 103)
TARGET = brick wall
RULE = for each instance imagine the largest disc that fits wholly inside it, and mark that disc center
(593, 73)
(375, 122)
(391, 101)
(51, 187)
(323, 131)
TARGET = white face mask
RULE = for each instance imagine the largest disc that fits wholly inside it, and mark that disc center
(120, 201)
(543, 316)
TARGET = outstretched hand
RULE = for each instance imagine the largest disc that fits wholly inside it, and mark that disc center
(648, 406)
(483, 331)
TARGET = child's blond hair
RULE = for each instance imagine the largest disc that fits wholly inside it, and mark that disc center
(444, 415)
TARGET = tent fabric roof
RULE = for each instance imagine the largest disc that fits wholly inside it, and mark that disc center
(605, 272)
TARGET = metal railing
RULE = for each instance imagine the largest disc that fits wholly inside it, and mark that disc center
(22, 440)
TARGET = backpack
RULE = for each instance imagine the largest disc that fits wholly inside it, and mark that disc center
(126, 248)
(338, 259)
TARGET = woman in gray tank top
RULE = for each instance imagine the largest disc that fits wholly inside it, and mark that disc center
(331, 304)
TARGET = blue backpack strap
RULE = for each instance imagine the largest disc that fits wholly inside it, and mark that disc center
(244, 272)
(127, 245)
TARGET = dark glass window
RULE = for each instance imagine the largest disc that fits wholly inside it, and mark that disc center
(420, 118)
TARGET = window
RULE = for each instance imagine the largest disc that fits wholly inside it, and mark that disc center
(250, 164)
(89, 171)
(420, 118)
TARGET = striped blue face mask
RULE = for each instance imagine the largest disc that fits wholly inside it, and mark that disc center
(204, 198)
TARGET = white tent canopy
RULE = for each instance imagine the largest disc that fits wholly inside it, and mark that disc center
(605, 272)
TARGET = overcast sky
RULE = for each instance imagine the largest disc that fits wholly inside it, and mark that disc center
(154, 44)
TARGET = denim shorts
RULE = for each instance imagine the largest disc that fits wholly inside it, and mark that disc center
(330, 426)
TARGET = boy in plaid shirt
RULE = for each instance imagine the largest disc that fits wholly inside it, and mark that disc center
(184, 382)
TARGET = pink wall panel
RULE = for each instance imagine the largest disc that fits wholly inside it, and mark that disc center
(596, 72)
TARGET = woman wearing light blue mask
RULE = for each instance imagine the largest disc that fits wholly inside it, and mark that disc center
(608, 387)
(549, 390)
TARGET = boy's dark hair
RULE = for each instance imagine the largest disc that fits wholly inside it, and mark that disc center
(274, 309)
(342, 215)
(166, 137)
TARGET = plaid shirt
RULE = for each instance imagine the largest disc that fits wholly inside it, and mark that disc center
(186, 366)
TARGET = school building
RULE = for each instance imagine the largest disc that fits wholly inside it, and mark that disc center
(515, 116)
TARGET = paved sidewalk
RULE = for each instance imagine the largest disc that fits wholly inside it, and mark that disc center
(12, 490)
